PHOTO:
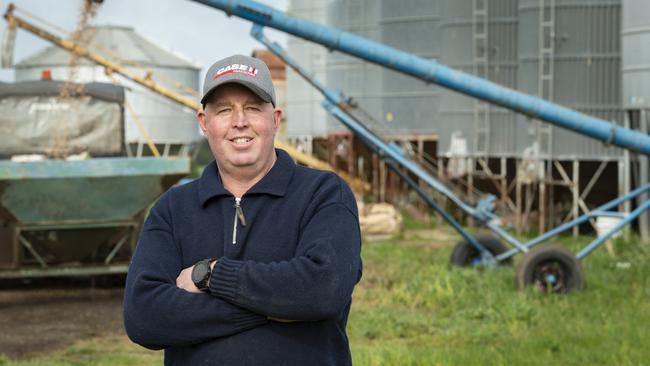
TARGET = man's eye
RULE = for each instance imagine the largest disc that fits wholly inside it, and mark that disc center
(223, 110)
(253, 108)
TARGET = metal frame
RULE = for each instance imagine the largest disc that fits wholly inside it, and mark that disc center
(482, 212)
(64, 271)
(480, 66)
(19, 243)
(545, 90)
(644, 166)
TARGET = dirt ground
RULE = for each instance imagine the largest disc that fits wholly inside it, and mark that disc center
(40, 317)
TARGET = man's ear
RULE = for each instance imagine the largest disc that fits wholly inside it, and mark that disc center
(200, 116)
(277, 117)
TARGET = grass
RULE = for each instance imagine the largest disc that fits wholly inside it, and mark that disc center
(110, 350)
(412, 309)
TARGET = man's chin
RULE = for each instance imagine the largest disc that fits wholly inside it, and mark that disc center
(242, 163)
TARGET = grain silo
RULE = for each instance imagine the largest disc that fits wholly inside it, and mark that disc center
(410, 106)
(635, 61)
(304, 115)
(478, 37)
(565, 51)
(171, 127)
(570, 54)
(356, 78)
(399, 108)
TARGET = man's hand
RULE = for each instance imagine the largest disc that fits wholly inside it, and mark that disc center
(184, 281)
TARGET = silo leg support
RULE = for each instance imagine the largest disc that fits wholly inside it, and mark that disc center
(31, 249)
(117, 247)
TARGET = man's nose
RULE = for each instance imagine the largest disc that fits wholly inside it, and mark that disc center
(239, 118)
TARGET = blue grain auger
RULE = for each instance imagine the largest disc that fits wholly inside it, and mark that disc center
(550, 268)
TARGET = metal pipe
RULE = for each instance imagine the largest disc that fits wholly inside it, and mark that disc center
(644, 178)
(337, 105)
(385, 149)
(431, 71)
(444, 214)
(579, 220)
(601, 239)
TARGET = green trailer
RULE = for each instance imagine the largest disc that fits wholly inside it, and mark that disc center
(77, 217)
(63, 217)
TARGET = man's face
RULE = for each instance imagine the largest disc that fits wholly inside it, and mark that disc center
(240, 128)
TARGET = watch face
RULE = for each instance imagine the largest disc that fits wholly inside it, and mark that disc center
(199, 272)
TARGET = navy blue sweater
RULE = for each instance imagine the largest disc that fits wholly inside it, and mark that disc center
(297, 257)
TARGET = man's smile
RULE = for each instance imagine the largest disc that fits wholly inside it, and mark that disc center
(241, 140)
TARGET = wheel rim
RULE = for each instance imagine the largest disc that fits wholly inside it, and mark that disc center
(550, 277)
(473, 258)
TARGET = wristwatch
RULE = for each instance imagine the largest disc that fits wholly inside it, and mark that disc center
(201, 274)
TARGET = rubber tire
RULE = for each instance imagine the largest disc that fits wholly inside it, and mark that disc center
(565, 262)
(464, 252)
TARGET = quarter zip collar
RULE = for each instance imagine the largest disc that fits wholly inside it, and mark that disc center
(275, 182)
(210, 184)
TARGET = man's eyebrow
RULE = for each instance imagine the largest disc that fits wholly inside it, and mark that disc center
(248, 101)
(221, 103)
(255, 101)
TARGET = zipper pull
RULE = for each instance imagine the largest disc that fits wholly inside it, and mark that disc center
(239, 214)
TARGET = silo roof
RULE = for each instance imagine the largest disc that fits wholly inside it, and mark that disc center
(105, 91)
(109, 41)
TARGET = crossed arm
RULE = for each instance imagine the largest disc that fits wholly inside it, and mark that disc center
(316, 284)
(158, 314)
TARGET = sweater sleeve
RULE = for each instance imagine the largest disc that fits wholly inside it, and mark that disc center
(316, 284)
(157, 314)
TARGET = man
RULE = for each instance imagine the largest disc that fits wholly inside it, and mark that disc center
(255, 262)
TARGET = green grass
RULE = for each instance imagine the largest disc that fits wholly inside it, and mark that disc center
(411, 223)
(412, 309)
(109, 350)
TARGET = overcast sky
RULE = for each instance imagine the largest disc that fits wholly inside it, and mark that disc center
(200, 33)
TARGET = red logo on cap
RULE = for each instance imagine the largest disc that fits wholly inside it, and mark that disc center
(236, 68)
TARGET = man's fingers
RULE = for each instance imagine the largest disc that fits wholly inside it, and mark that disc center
(184, 281)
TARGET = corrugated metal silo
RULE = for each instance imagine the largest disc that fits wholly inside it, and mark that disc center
(305, 116)
(478, 37)
(502, 69)
(636, 83)
(165, 121)
(636, 54)
(456, 110)
(356, 78)
(578, 44)
(410, 106)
